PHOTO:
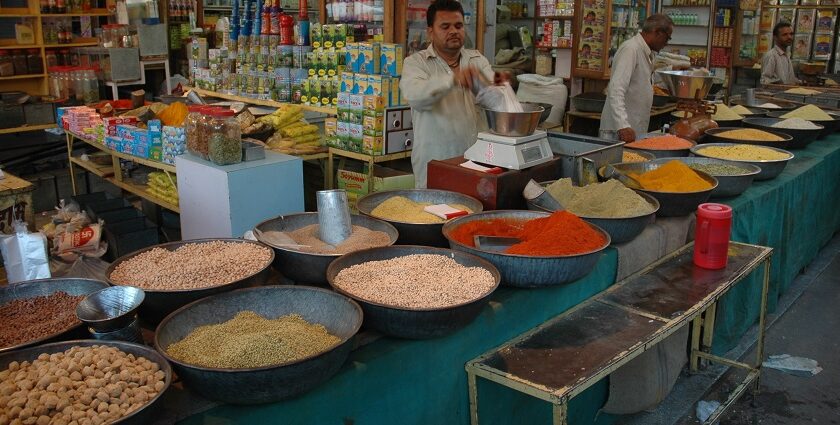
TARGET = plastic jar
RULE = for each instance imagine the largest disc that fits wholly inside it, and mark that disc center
(34, 62)
(19, 61)
(193, 130)
(52, 59)
(7, 67)
(225, 141)
(711, 235)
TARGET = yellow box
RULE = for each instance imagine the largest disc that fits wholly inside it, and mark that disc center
(330, 127)
(374, 104)
(373, 145)
(378, 85)
(373, 125)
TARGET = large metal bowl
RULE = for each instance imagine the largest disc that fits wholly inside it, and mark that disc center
(42, 287)
(728, 185)
(414, 323)
(801, 138)
(338, 314)
(671, 204)
(546, 109)
(589, 102)
(527, 271)
(428, 234)
(159, 302)
(515, 124)
(829, 127)
(142, 416)
(307, 267)
(769, 168)
(756, 112)
(621, 230)
(712, 135)
(661, 153)
(687, 85)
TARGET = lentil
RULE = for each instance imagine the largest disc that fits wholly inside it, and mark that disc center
(610, 199)
(437, 281)
(743, 153)
(632, 157)
(33, 318)
(719, 169)
(796, 124)
(192, 266)
(360, 238)
(673, 176)
(64, 387)
(810, 113)
(224, 150)
(741, 110)
(666, 142)
(400, 208)
(250, 340)
(750, 134)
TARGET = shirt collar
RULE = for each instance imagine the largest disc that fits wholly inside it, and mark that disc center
(780, 51)
(645, 47)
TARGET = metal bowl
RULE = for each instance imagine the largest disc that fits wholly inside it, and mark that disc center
(528, 271)
(769, 168)
(514, 124)
(142, 416)
(829, 127)
(712, 135)
(160, 302)
(661, 153)
(728, 185)
(671, 204)
(546, 109)
(307, 267)
(801, 138)
(756, 112)
(589, 102)
(340, 315)
(414, 323)
(687, 85)
(427, 234)
(621, 230)
(42, 287)
(111, 308)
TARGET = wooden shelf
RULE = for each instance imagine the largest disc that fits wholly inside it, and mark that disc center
(92, 12)
(19, 46)
(140, 190)
(556, 17)
(94, 168)
(23, 77)
(83, 42)
(145, 161)
(26, 128)
(271, 103)
(17, 15)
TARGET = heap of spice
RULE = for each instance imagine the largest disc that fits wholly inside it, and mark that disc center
(741, 110)
(743, 153)
(360, 238)
(562, 233)
(610, 199)
(632, 157)
(674, 176)
(37, 317)
(664, 143)
(796, 124)
(802, 91)
(810, 113)
(400, 208)
(719, 169)
(750, 134)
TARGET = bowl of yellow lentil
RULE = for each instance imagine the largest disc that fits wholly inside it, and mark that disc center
(749, 136)
(803, 132)
(403, 209)
(259, 345)
(771, 160)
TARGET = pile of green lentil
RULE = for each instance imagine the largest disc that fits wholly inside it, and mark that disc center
(719, 169)
(250, 340)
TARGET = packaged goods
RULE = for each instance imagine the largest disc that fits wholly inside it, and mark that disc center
(392, 59)
(34, 318)
(810, 113)
(610, 199)
(743, 153)
(402, 209)
(750, 134)
(666, 142)
(673, 176)
(369, 56)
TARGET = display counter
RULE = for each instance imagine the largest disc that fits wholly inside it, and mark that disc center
(400, 381)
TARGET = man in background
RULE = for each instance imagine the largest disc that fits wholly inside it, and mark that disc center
(776, 67)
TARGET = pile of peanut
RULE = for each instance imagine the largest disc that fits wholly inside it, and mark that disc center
(90, 385)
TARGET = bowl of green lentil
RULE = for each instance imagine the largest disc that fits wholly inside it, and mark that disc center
(772, 161)
(403, 209)
(260, 345)
(733, 177)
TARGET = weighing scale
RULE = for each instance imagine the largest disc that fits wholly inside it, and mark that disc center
(515, 153)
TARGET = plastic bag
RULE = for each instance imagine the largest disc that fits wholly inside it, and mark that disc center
(85, 239)
(499, 98)
(83, 268)
(25, 254)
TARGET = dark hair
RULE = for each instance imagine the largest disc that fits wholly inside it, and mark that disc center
(779, 26)
(442, 5)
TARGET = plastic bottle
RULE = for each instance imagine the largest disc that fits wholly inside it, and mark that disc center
(287, 29)
(711, 235)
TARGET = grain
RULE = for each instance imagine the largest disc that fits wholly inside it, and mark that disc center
(796, 124)
(719, 169)
(42, 390)
(750, 134)
(419, 281)
(192, 266)
(250, 340)
(743, 153)
(632, 157)
(33, 318)
(360, 238)
(725, 113)
(810, 113)
(400, 208)
(769, 105)
(666, 142)
(610, 199)
(802, 91)
(741, 110)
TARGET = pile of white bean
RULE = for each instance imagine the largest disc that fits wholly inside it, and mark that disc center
(81, 386)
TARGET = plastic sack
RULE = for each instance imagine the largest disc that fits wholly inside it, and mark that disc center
(25, 255)
(83, 268)
(544, 89)
(499, 98)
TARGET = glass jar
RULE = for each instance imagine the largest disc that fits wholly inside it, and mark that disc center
(91, 86)
(195, 128)
(79, 84)
(34, 62)
(19, 61)
(225, 141)
(52, 59)
(7, 67)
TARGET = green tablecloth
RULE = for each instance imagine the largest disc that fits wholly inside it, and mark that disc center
(395, 381)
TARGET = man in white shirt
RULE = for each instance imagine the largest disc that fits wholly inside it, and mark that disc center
(437, 84)
(630, 91)
(776, 66)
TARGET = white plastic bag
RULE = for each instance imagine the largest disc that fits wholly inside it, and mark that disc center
(25, 255)
(498, 98)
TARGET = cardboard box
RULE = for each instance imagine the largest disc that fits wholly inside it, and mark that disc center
(373, 145)
(348, 82)
(356, 137)
(330, 127)
(356, 108)
(391, 59)
(369, 57)
(357, 183)
(373, 126)
(351, 57)
(378, 85)
(374, 106)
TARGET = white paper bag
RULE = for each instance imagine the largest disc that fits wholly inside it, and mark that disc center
(25, 255)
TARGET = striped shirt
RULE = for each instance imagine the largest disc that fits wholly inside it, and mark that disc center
(776, 67)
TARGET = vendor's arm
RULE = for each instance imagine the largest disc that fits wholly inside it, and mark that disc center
(419, 88)
(622, 72)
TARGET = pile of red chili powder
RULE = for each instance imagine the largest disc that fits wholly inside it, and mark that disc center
(562, 233)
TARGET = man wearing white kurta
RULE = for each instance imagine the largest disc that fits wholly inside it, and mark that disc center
(630, 91)
(776, 66)
(437, 83)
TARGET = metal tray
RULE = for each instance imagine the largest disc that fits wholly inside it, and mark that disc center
(581, 156)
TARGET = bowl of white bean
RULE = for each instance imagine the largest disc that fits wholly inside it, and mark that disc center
(177, 273)
(415, 292)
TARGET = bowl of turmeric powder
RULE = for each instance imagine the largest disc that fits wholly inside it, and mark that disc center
(678, 188)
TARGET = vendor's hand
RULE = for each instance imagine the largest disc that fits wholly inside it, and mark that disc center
(466, 76)
(500, 78)
(627, 135)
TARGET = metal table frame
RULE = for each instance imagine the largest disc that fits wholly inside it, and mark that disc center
(701, 316)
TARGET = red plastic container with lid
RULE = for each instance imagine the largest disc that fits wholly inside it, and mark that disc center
(711, 235)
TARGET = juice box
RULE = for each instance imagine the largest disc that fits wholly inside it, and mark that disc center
(369, 56)
(329, 35)
(391, 59)
(316, 35)
(332, 62)
(340, 35)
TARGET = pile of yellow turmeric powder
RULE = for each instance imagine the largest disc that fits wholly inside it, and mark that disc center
(674, 176)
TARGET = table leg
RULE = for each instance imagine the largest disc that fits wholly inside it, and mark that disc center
(695, 343)
(559, 413)
(370, 173)
(762, 322)
(708, 331)
(473, 389)
(70, 163)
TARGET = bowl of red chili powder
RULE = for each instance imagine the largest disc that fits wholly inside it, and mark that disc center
(555, 248)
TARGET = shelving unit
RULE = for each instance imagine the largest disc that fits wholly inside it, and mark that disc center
(692, 29)
(602, 27)
(270, 103)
